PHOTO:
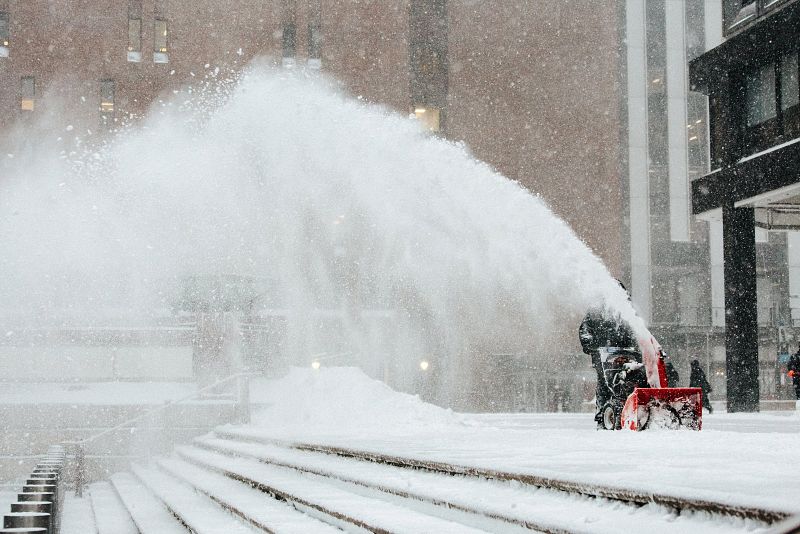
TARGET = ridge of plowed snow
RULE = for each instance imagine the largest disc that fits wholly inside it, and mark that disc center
(340, 400)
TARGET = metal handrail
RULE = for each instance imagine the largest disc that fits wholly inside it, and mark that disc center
(156, 410)
(244, 416)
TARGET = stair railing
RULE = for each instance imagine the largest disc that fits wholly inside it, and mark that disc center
(242, 417)
(38, 506)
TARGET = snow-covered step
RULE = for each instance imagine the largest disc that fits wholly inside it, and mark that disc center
(484, 503)
(110, 515)
(324, 500)
(259, 509)
(197, 512)
(149, 515)
(76, 515)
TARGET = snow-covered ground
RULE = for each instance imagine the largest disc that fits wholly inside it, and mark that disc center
(8, 494)
(742, 459)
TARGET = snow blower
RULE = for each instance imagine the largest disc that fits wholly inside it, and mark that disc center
(639, 396)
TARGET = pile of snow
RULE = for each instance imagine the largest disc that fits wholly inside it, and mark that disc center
(336, 400)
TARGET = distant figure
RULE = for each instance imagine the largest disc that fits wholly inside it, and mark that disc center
(794, 372)
(672, 374)
(697, 379)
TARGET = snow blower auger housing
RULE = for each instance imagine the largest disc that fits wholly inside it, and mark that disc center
(639, 396)
(670, 408)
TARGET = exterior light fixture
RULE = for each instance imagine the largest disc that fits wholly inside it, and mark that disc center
(315, 364)
(428, 116)
(424, 365)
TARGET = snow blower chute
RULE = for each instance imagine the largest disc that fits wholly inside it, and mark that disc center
(640, 397)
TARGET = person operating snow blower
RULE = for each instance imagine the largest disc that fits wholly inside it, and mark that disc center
(632, 388)
(601, 328)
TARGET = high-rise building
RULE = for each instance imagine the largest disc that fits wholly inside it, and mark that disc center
(677, 258)
(751, 188)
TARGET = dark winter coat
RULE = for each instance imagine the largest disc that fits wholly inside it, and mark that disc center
(602, 329)
(794, 365)
(672, 375)
(697, 378)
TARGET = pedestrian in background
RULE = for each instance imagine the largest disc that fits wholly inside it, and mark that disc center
(794, 372)
(697, 379)
(672, 374)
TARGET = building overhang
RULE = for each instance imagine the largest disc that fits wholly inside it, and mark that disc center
(768, 181)
(776, 29)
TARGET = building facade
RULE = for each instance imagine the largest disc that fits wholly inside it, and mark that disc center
(677, 267)
(534, 92)
(751, 79)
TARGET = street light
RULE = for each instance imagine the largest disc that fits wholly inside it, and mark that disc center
(315, 364)
(424, 365)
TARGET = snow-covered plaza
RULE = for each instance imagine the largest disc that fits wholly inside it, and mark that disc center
(512, 471)
(427, 266)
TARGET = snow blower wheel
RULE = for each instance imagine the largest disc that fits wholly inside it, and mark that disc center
(610, 417)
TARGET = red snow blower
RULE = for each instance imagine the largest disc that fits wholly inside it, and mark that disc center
(640, 399)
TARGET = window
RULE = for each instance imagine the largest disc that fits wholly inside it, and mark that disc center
(697, 132)
(27, 93)
(739, 12)
(428, 57)
(107, 94)
(289, 35)
(315, 34)
(160, 41)
(790, 92)
(429, 117)
(769, 4)
(761, 97)
(107, 88)
(134, 40)
(314, 44)
(160, 36)
(4, 34)
(289, 40)
(4, 29)
(772, 96)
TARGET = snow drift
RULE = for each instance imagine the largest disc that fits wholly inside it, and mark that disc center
(341, 400)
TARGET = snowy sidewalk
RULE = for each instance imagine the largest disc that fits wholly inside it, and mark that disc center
(737, 459)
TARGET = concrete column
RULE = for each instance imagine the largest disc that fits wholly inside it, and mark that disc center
(717, 257)
(793, 254)
(675, 19)
(741, 309)
(638, 176)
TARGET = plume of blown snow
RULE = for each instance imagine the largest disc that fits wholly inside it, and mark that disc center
(339, 203)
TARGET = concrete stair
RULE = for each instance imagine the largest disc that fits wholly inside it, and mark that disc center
(207, 488)
(173, 495)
